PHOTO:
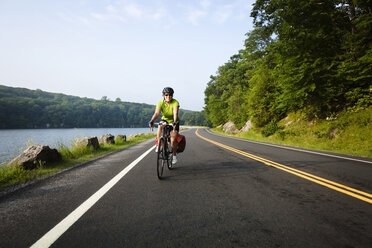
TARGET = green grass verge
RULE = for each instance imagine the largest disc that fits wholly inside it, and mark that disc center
(349, 133)
(12, 175)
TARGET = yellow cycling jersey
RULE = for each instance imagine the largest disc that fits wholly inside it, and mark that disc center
(167, 110)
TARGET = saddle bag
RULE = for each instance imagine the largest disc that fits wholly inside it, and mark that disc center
(181, 143)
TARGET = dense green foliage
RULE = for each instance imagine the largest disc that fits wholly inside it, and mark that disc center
(195, 119)
(24, 108)
(310, 56)
(349, 133)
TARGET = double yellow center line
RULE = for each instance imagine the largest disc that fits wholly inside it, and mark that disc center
(327, 183)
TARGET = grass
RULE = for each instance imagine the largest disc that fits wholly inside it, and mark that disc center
(12, 175)
(349, 133)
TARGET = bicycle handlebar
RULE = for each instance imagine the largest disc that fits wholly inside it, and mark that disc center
(161, 124)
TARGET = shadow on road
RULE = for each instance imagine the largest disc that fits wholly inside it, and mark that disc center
(214, 170)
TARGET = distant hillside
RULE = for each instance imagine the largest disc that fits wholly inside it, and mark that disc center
(24, 108)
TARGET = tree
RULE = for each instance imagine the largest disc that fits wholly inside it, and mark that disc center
(313, 56)
(194, 119)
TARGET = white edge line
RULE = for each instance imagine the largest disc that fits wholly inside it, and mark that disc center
(50, 237)
(290, 148)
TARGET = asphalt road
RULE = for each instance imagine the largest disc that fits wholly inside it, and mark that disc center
(223, 192)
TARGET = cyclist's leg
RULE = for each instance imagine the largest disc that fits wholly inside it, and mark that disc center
(158, 135)
(160, 128)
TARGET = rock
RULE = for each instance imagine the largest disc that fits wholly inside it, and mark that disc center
(132, 136)
(333, 133)
(122, 137)
(230, 127)
(248, 125)
(107, 139)
(32, 156)
(332, 118)
(91, 141)
(287, 121)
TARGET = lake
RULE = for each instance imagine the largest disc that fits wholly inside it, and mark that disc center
(14, 141)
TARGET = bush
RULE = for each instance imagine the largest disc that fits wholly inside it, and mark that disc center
(270, 129)
(281, 134)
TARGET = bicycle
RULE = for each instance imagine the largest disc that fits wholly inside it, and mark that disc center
(165, 153)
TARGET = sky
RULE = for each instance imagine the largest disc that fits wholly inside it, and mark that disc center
(123, 49)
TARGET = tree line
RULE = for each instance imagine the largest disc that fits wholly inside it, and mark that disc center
(313, 56)
(24, 108)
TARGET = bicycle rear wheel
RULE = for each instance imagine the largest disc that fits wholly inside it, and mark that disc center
(161, 158)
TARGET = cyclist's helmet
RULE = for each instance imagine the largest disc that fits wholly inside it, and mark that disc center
(168, 90)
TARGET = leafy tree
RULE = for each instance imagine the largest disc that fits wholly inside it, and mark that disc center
(195, 119)
(313, 56)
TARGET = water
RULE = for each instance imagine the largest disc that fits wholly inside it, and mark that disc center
(14, 141)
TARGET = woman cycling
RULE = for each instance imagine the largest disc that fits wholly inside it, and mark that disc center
(168, 107)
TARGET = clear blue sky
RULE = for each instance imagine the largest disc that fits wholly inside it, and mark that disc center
(125, 49)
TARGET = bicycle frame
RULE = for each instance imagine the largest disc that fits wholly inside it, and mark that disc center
(165, 154)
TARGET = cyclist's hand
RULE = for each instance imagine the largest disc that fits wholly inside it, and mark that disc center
(174, 124)
(151, 124)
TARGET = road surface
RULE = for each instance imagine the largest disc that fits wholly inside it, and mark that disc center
(223, 192)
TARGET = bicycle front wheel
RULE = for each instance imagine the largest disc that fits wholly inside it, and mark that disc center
(161, 158)
(170, 157)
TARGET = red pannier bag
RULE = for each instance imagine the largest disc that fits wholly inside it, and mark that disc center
(181, 143)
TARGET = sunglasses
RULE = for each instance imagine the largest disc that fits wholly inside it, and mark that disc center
(168, 95)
